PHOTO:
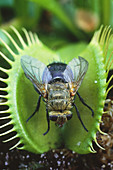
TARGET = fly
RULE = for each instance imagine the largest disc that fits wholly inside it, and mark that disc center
(58, 84)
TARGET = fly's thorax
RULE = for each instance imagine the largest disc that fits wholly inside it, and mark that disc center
(58, 90)
(60, 117)
(59, 97)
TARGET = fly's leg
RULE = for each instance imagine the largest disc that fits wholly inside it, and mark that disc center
(37, 108)
(78, 114)
(81, 99)
(48, 121)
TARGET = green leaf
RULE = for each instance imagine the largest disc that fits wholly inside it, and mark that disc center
(70, 51)
(22, 97)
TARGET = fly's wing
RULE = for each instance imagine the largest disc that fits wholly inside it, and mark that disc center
(34, 71)
(75, 71)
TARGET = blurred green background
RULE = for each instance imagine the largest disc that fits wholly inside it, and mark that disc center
(57, 22)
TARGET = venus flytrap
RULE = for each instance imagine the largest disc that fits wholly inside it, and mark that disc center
(21, 97)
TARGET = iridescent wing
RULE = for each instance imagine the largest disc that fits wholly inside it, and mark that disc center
(75, 72)
(36, 72)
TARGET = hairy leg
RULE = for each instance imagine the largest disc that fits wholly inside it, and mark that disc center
(37, 108)
(82, 100)
(78, 114)
(48, 121)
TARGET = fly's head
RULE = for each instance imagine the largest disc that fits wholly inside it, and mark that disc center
(60, 117)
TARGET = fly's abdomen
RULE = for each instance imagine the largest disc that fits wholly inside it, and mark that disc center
(59, 101)
(58, 105)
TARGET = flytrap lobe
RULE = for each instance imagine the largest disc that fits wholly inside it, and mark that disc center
(19, 98)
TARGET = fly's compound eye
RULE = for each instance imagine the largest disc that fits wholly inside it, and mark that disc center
(69, 116)
(53, 117)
